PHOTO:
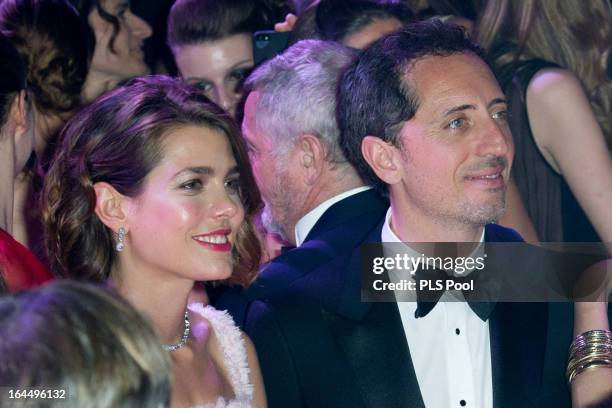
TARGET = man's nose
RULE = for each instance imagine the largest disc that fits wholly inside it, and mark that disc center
(495, 140)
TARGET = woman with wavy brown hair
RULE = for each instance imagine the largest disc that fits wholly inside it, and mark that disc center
(151, 189)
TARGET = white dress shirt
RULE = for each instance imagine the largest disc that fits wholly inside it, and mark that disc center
(305, 224)
(450, 350)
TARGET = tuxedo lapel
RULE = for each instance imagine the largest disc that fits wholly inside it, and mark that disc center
(376, 350)
(371, 338)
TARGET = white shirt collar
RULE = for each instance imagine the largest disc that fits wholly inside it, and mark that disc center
(305, 224)
(387, 234)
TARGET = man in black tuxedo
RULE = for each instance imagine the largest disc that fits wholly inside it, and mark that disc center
(313, 197)
(424, 121)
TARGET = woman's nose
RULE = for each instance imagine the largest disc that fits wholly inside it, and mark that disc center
(139, 28)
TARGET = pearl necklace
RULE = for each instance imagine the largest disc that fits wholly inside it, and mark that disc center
(183, 340)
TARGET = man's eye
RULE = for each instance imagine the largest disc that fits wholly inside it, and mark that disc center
(501, 115)
(456, 123)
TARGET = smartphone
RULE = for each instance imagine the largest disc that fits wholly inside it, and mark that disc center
(267, 44)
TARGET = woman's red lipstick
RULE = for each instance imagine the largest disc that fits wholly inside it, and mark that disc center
(216, 240)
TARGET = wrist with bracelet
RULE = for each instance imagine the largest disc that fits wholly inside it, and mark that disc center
(592, 349)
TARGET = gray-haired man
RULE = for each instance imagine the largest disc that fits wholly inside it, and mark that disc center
(318, 202)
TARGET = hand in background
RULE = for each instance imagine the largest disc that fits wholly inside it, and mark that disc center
(286, 25)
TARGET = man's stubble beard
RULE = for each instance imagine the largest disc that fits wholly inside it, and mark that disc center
(483, 214)
(278, 218)
(269, 223)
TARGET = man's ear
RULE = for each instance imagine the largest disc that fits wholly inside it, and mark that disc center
(111, 206)
(382, 157)
(311, 156)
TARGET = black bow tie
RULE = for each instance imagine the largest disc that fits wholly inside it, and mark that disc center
(430, 294)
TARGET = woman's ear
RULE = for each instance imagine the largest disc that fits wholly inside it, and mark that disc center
(20, 125)
(382, 159)
(111, 206)
(19, 115)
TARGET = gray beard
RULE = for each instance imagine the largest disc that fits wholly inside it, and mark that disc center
(270, 224)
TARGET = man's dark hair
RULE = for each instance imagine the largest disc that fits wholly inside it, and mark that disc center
(374, 99)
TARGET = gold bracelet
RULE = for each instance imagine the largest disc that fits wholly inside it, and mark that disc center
(588, 367)
(589, 350)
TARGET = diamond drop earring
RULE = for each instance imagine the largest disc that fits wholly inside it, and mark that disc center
(120, 239)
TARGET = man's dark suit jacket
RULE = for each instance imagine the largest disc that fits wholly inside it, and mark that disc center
(319, 346)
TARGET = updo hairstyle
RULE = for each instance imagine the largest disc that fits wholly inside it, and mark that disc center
(52, 41)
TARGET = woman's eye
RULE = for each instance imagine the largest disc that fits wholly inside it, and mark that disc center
(240, 74)
(233, 185)
(456, 123)
(122, 13)
(238, 77)
(192, 185)
(205, 87)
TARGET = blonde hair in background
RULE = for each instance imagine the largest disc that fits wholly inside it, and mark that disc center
(573, 34)
(85, 340)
